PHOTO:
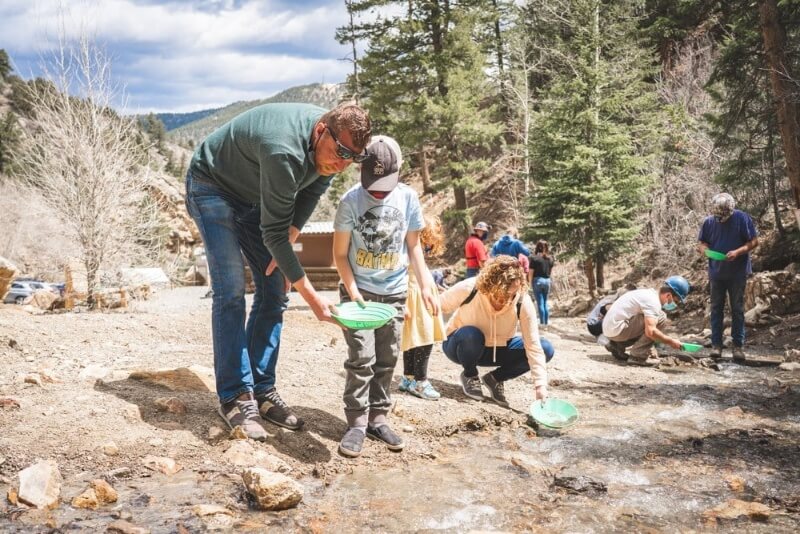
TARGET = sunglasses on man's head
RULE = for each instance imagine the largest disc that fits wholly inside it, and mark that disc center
(345, 153)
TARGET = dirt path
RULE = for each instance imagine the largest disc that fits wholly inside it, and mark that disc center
(94, 405)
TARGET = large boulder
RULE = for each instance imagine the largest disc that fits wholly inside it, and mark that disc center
(272, 491)
(7, 273)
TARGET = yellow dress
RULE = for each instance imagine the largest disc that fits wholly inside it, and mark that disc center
(420, 328)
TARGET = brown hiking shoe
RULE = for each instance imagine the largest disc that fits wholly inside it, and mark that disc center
(243, 412)
(716, 352)
(652, 361)
(739, 355)
(617, 350)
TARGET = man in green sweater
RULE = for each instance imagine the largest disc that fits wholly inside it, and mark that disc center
(251, 186)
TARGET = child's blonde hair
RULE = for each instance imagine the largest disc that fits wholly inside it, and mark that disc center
(499, 274)
(432, 236)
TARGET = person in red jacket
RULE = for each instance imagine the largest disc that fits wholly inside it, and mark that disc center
(475, 250)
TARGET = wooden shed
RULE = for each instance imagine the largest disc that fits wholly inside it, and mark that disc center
(314, 247)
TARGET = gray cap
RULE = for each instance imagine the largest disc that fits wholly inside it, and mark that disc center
(381, 170)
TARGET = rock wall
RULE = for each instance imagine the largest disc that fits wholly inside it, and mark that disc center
(775, 292)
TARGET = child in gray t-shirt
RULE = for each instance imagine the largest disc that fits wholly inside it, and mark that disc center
(376, 237)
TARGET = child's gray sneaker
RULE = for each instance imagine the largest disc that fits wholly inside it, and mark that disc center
(471, 386)
(243, 412)
(385, 434)
(496, 389)
(352, 442)
(277, 412)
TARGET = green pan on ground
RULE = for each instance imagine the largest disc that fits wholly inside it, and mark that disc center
(373, 315)
(554, 413)
(714, 255)
(691, 347)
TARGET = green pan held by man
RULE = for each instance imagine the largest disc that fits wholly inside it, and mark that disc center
(637, 319)
(251, 186)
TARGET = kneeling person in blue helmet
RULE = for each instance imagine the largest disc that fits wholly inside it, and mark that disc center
(635, 321)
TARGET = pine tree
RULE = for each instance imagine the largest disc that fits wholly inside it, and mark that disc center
(422, 78)
(5, 66)
(757, 127)
(9, 140)
(594, 134)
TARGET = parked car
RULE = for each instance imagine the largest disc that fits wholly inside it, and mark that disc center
(18, 292)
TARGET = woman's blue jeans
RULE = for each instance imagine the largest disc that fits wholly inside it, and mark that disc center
(734, 291)
(541, 288)
(466, 347)
(245, 354)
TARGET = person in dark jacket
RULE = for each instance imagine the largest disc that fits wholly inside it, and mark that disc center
(541, 263)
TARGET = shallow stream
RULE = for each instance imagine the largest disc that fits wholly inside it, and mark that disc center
(650, 456)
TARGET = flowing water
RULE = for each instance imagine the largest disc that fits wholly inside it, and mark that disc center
(642, 457)
(652, 458)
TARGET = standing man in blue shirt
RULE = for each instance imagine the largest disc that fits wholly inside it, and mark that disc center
(731, 232)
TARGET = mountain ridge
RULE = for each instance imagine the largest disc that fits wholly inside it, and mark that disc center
(325, 95)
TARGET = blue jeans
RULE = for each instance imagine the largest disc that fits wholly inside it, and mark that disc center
(245, 354)
(734, 290)
(541, 288)
(471, 272)
(466, 347)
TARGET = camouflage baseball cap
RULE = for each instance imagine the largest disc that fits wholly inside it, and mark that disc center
(722, 206)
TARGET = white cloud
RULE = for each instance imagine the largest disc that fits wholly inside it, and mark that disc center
(175, 55)
(178, 26)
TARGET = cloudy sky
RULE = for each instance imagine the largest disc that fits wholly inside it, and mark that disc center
(183, 55)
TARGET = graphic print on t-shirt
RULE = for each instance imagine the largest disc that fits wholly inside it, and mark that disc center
(382, 230)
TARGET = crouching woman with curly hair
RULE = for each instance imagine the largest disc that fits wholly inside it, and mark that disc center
(482, 331)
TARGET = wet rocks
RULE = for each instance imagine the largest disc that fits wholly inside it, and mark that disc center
(165, 465)
(123, 527)
(735, 508)
(271, 491)
(171, 405)
(733, 411)
(579, 484)
(40, 485)
(790, 366)
(97, 494)
(214, 517)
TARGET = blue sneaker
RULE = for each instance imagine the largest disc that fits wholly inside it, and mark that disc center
(425, 390)
(407, 384)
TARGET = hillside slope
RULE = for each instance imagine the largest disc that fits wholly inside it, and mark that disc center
(324, 95)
